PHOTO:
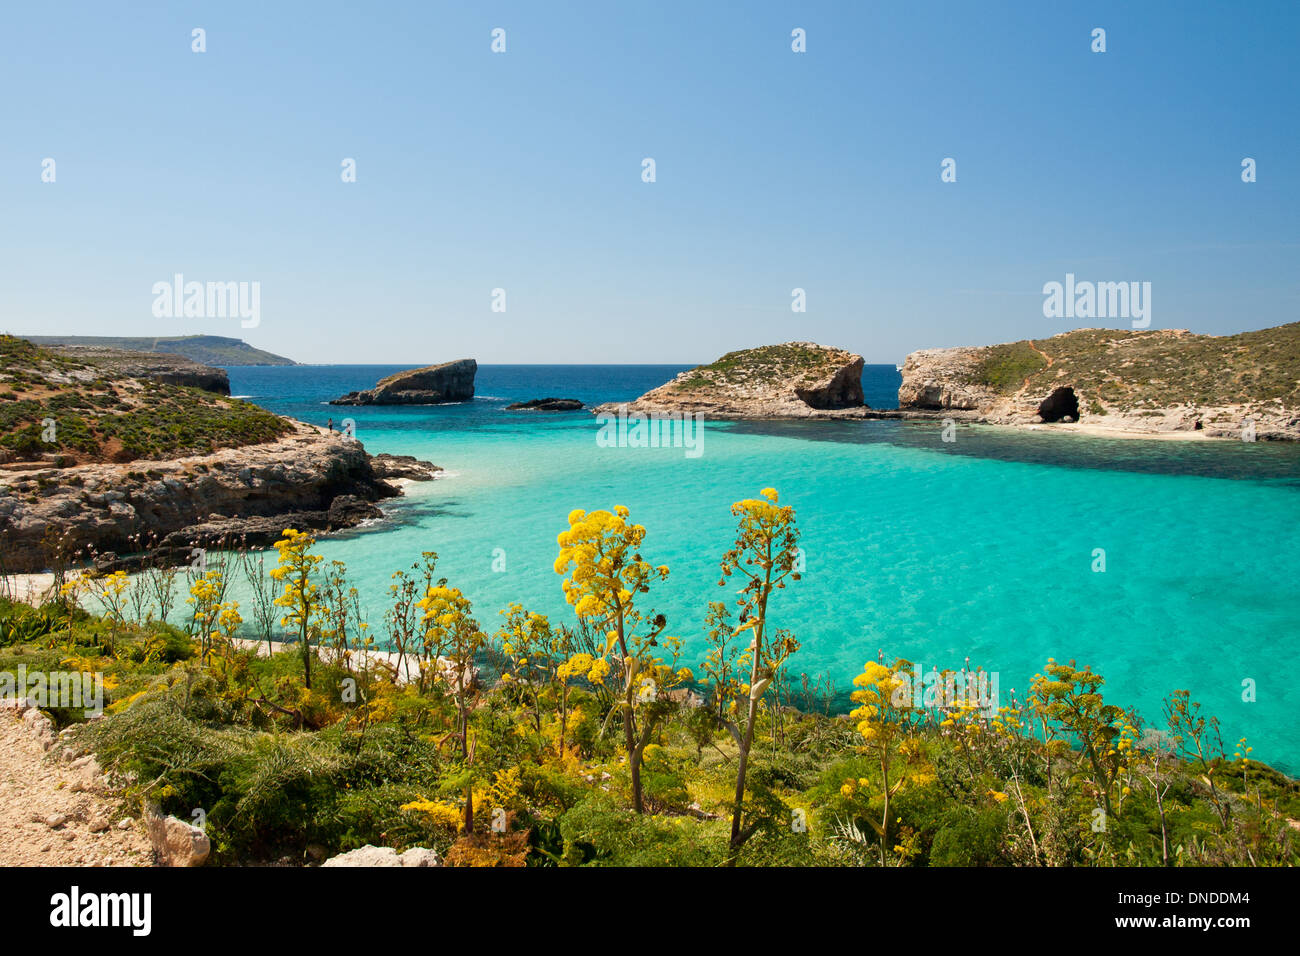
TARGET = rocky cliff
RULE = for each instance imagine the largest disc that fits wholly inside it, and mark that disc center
(307, 478)
(1159, 381)
(431, 385)
(793, 380)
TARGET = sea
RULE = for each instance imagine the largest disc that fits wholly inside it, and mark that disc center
(1161, 565)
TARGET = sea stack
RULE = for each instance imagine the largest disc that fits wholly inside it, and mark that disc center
(430, 385)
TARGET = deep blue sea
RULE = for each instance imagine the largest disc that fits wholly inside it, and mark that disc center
(982, 548)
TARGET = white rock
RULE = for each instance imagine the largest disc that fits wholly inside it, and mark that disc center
(366, 856)
(421, 856)
(86, 774)
(40, 727)
(176, 842)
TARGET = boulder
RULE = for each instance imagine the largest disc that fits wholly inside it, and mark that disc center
(409, 467)
(175, 842)
(385, 856)
(430, 385)
(86, 774)
(345, 511)
(366, 856)
(420, 856)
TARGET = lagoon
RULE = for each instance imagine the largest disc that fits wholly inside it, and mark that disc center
(985, 547)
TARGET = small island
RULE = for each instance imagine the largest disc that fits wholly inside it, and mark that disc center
(430, 385)
(791, 380)
(546, 405)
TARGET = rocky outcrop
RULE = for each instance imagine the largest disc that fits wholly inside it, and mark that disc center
(158, 366)
(792, 380)
(403, 467)
(547, 405)
(940, 380)
(319, 480)
(175, 842)
(369, 855)
(39, 727)
(1119, 381)
(431, 385)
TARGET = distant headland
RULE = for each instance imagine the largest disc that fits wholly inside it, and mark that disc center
(215, 350)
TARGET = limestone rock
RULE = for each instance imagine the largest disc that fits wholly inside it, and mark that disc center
(430, 385)
(791, 380)
(176, 842)
(366, 856)
(420, 856)
(407, 467)
(255, 492)
(385, 856)
(1156, 381)
(159, 366)
(86, 775)
(39, 727)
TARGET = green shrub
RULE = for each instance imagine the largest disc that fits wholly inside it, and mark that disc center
(600, 831)
(969, 838)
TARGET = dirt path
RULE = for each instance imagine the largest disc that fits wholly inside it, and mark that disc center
(57, 813)
(1050, 361)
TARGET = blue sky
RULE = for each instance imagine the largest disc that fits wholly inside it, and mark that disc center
(522, 171)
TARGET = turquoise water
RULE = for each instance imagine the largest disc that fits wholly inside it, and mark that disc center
(936, 552)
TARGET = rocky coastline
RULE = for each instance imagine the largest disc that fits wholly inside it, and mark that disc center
(120, 515)
(1117, 383)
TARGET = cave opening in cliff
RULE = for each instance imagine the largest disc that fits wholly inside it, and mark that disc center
(1061, 405)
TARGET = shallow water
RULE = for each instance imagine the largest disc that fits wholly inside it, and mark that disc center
(935, 552)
